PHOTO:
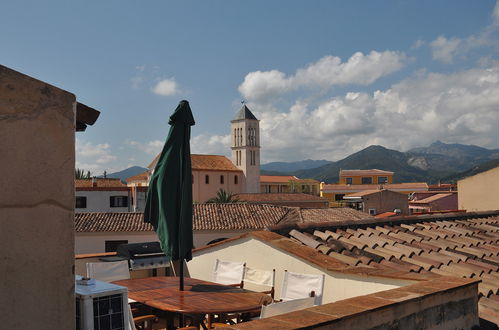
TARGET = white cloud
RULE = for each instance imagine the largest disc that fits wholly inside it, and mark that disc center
(213, 145)
(495, 15)
(166, 87)
(94, 157)
(444, 49)
(461, 107)
(417, 44)
(151, 147)
(360, 69)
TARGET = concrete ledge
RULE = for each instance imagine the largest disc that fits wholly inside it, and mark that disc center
(447, 302)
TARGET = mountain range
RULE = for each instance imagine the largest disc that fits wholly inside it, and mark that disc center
(437, 162)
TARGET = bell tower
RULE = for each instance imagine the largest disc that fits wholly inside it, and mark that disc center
(245, 132)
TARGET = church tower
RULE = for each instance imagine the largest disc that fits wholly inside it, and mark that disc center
(245, 132)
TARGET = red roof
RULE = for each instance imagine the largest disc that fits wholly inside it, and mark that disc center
(206, 163)
(273, 197)
(138, 177)
(409, 186)
(99, 183)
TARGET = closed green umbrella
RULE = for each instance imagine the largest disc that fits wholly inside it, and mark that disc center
(169, 196)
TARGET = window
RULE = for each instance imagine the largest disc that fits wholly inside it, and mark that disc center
(221, 179)
(81, 202)
(111, 246)
(382, 179)
(207, 179)
(372, 211)
(118, 201)
(338, 197)
(235, 179)
(367, 180)
(348, 180)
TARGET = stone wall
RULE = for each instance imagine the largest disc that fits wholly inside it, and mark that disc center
(37, 124)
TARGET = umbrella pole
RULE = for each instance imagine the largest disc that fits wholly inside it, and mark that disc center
(181, 274)
(181, 287)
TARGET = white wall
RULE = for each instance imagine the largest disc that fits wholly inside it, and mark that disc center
(98, 201)
(261, 255)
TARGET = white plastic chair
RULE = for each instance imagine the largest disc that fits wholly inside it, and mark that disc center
(297, 286)
(108, 271)
(286, 307)
(261, 277)
(228, 272)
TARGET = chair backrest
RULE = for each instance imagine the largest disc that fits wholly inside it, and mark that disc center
(297, 286)
(286, 307)
(228, 272)
(108, 271)
(260, 277)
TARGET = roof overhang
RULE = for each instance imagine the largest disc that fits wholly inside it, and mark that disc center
(85, 115)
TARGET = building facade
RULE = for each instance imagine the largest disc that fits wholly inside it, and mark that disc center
(102, 195)
(479, 192)
(373, 176)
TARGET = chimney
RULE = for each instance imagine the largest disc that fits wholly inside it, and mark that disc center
(94, 181)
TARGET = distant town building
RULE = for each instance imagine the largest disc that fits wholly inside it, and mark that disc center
(375, 202)
(102, 195)
(288, 184)
(433, 201)
(373, 176)
(335, 192)
(285, 199)
(479, 192)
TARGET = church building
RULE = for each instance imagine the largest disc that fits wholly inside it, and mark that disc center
(210, 173)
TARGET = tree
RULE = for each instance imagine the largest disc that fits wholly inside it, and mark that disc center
(80, 174)
(223, 197)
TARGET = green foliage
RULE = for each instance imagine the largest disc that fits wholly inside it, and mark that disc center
(223, 197)
(80, 174)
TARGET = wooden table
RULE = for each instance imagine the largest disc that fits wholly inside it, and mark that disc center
(198, 297)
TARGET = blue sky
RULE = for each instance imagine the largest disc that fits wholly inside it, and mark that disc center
(326, 78)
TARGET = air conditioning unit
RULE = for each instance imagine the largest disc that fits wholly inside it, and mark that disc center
(101, 305)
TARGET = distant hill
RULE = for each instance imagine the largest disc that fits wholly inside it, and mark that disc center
(126, 173)
(371, 157)
(293, 166)
(437, 162)
(450, 157)
(472, 171)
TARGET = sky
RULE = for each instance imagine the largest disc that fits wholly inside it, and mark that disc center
(325, 78)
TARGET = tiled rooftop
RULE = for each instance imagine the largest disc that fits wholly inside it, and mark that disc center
(237, 216)
(409, 186)
(277, 178)
(461, 244)
(431, 198)
(259, 197)
(206, 162)
(100, 183)
(138, 177)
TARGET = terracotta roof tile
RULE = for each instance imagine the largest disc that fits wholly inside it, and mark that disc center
(459, 244)
(206, 162)
(274, 197)
(277, 178)
(214, 216)
(409, 186)
(99, 182)
(139, 177)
